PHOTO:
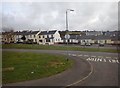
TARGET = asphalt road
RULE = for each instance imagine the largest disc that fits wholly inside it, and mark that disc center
(104, 70)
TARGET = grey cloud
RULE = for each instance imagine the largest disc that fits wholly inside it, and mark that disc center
(87, 15)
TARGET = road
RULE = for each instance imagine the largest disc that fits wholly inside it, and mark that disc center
(104, 69)
(92, 46)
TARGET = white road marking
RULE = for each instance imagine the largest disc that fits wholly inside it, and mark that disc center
(109, 60)
(104, 60)
(86, 55)
(93, 56)
(80, 55)
(99, 59)
(100, 56)
(73, 54)
(108, 57)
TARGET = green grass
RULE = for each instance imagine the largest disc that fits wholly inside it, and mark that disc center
(43, 65)
(52, 47)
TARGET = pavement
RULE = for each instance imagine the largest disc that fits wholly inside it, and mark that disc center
(90, 69)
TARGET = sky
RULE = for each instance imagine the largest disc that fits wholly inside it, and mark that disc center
(99, 16)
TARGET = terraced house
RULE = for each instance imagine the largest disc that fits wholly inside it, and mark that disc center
(8, 37)
(49, 37)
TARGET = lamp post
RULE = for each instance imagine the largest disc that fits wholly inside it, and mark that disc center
(67, 35)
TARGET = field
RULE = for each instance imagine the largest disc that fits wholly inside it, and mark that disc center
(53, 47)
(21, 66)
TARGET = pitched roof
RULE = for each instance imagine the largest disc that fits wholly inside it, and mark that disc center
(26, 32)
(47, 32)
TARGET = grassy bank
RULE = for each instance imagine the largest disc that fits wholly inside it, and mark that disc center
(21, 66)
(52, 47)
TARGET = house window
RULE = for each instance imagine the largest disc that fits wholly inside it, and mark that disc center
(47, 40)
(34, 36)
(43, 36)
(51, 35)
(40, 41)
(39, 36)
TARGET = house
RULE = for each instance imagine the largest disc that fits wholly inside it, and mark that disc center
(73, 39)
(29, 36)
(8, 37)
(49, 37)
(95, 33)
(86, 39)
(103, 39)
(73, 36)
(33, 36)
(115, 40)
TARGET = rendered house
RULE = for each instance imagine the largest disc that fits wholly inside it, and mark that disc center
(49, 37)
(8, 37)
(30, 36)
(73, 36)
(33, 36)
(103, 39)
(86, 39)
(73, 39)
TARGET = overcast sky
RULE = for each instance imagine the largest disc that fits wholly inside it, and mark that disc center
(50, 15)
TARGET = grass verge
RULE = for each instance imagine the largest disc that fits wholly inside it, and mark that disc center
(52, 47)
(21, 66)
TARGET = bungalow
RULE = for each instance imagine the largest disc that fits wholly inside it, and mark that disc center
(49, 37)
(86, 39)
(103, 39)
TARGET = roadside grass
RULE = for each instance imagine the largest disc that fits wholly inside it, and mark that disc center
(53, 47)
(22, 66)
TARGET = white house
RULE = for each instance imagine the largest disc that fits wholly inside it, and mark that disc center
(49, 37)
(33, 36)
(30, 36)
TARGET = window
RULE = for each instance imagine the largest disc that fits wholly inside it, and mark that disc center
(47, 40)
(49, 36)
(39, 36)
(34, 36)
(40, 40)
(43, 36)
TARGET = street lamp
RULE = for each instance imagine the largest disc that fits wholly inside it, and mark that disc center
(67, 35)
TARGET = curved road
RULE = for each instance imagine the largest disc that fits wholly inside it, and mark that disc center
(104, 73)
